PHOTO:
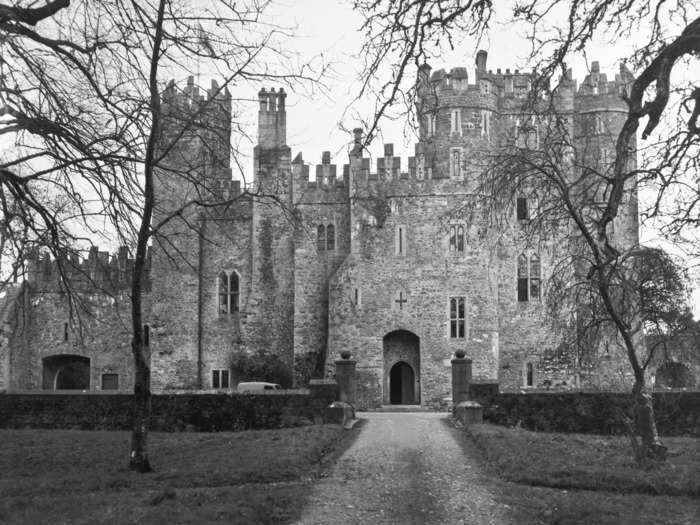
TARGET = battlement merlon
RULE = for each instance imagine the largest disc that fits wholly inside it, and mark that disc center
(99, 271)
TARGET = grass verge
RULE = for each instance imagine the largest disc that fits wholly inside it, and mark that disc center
(590, 462)
(64, 476)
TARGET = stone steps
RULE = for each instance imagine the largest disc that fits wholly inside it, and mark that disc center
(401, 408)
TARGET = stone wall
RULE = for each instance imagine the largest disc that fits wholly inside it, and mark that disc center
(170, 413)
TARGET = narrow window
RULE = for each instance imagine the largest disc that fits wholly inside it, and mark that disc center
(453, 238)
(146, 335)
(457, 317)
(400, 240)
(430, 125)
(456, 121)
(321, 238)
(110, 381)
(223, 293)
(534, 277)
(522, 278)
(521, 209)
(65, 331)
(460, 238)
(529, 375)
(357, 297)
(234, 292)
(455, 163)
(330, 237)
(485, 124)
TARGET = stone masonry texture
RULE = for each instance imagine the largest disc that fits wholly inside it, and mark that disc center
(357, 259)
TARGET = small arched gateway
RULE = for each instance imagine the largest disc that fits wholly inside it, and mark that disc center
(66, 372)
(401, 368)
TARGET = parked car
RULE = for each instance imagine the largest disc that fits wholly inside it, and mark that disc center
(257, 386)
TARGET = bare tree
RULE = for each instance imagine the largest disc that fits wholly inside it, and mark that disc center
(82, 95)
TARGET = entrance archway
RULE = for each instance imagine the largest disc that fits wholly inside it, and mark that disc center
(401, 384)
(66, 372)
(401, 368)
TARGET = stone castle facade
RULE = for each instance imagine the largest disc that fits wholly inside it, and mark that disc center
(398, 264)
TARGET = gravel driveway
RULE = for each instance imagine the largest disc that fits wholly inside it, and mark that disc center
(406, 468)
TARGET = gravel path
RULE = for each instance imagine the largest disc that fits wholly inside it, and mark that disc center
(406, 468)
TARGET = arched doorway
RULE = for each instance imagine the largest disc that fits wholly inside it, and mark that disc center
(401, 368)
(402, 381)
(66, 372)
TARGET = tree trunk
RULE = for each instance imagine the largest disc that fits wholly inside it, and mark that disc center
(138, 458)
(651, 447)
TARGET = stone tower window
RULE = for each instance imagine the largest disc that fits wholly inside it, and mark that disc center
(485, 87)
(456, 163)
(457, 317)
(321, 238)
(457, 238)
(330, 237)
(65, 331)
(146, 335)
(521, 209)
(228, 292)
(486, 124)
(430, 124)
(529, 278)
(456, 121)
(400, 240)
(529, 374)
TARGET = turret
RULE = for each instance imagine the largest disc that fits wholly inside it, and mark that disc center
(272, 119)
(481, 57)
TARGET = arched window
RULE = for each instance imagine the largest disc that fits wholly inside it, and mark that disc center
(228, 292)
(223, 293)
(529, 375)
(457, 238)
(330, 237)
(529, 278)
(321, 238)
(535, 277)
(456, 164)
(233, 285)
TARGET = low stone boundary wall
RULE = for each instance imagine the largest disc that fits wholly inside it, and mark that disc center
(208, 412)
(677, 413)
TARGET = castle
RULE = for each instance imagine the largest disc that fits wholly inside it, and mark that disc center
(398, 265)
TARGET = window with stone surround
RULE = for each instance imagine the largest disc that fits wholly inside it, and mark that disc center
(457, 317)
(146, 335)
(321, 237)
(522, 213)
(220, 378)
(228, 292)
(110, 381)
(529, 375)
(430, 124)
(456, 121)
(330, 237)
(457, 238)
(455, 163)
(400, 240)
(65, 331)
(529, 277)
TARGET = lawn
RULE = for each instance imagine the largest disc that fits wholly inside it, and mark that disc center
(66, 476)
(590, 462)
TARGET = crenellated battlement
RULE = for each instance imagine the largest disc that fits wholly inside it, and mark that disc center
(99, 272)
(225, 189)
(190, 100)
